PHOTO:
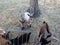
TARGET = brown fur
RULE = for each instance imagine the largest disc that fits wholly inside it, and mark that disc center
(41, 33)
(3, 41)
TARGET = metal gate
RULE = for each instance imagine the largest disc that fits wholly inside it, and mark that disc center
(20, 37)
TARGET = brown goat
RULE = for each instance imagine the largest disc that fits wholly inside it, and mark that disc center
(3, 41)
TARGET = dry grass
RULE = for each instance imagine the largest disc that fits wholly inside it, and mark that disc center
(10, 11)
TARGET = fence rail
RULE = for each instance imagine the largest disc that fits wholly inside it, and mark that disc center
(32, 40)
(23, 38)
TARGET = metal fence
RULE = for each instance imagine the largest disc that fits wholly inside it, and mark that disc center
(21, 37)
